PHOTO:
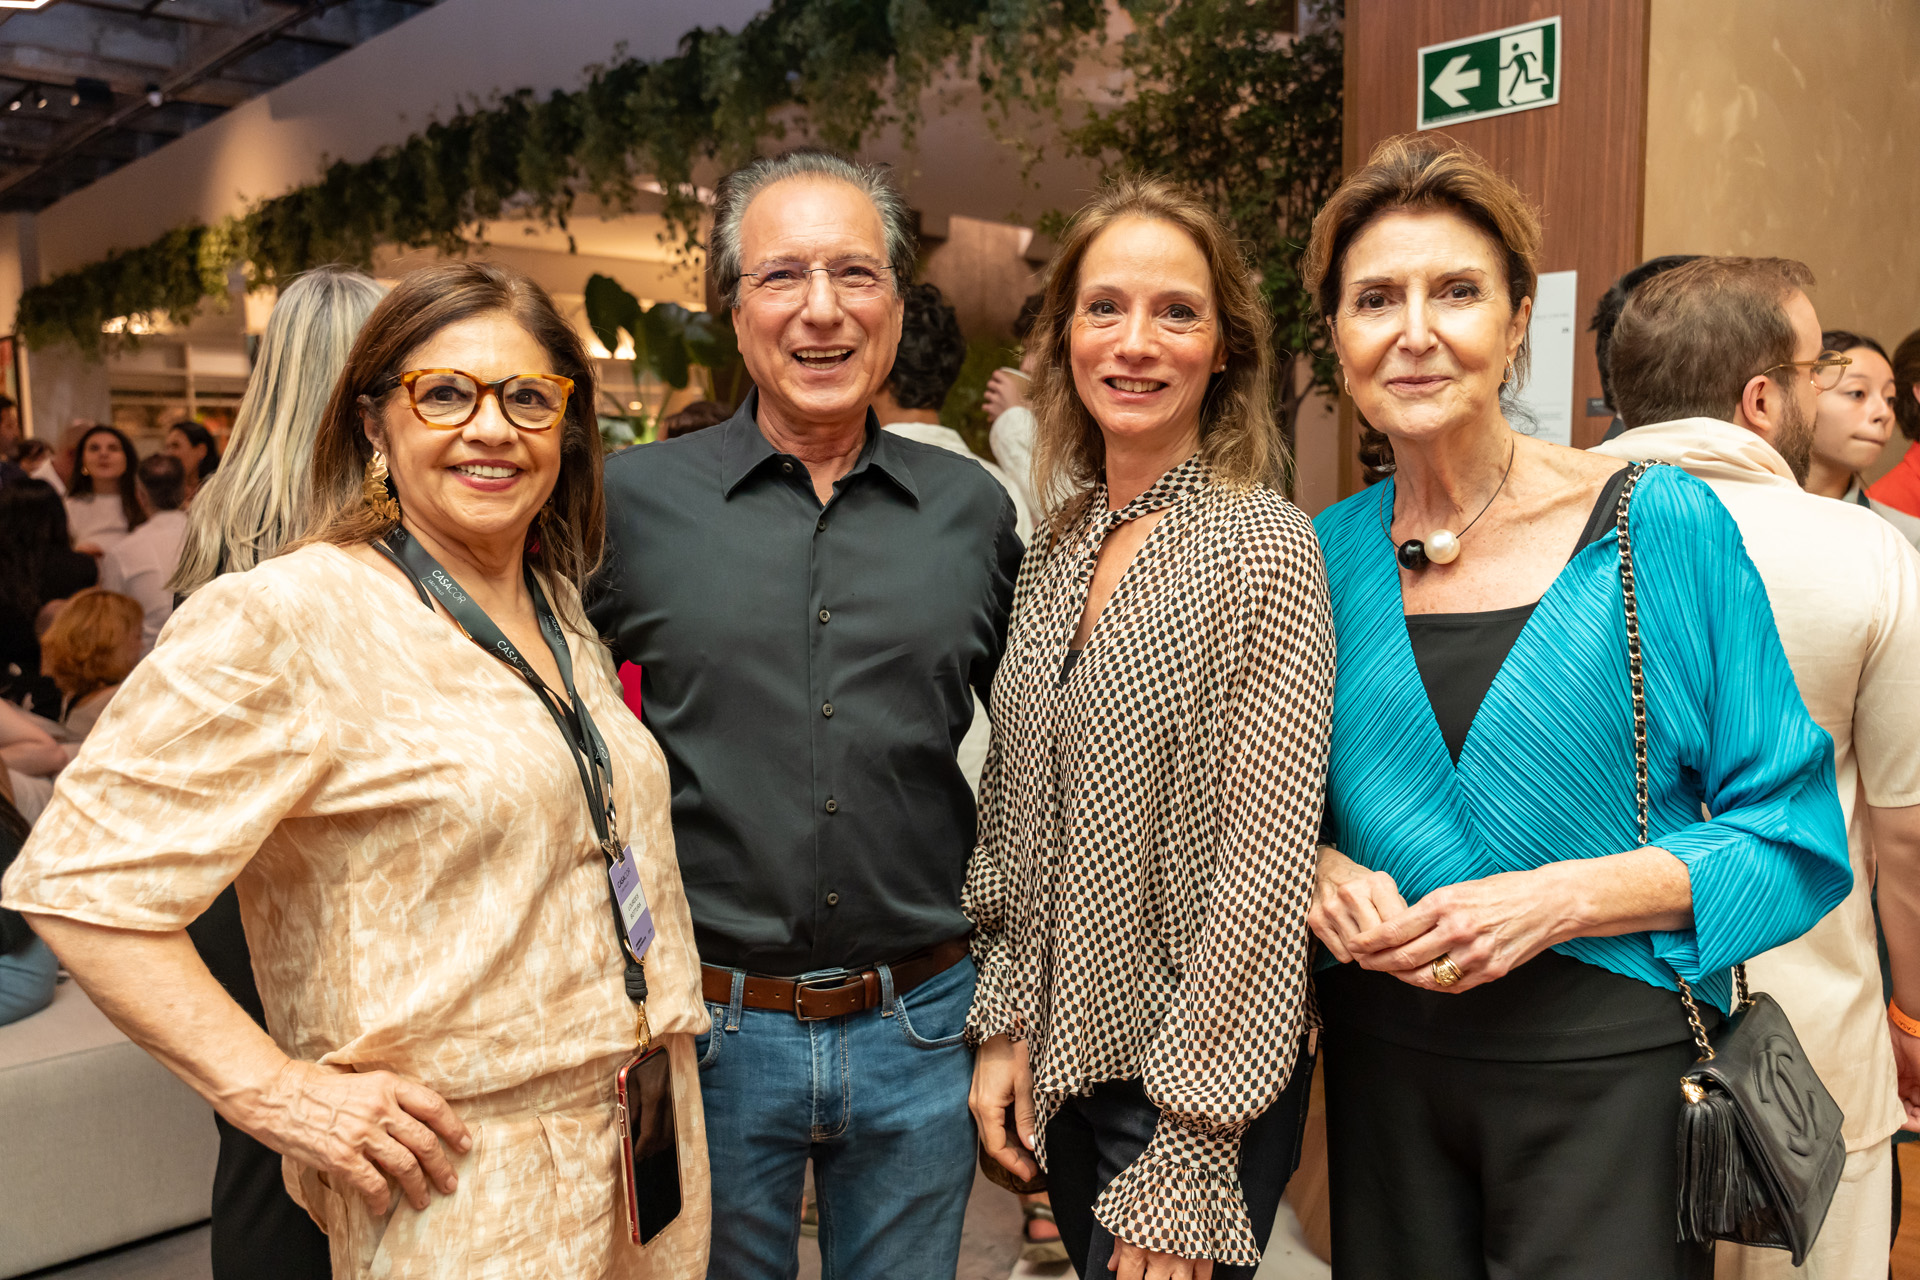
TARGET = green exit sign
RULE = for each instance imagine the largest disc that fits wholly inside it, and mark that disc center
(1491, 74)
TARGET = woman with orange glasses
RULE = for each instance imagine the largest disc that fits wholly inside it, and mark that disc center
(422, 830)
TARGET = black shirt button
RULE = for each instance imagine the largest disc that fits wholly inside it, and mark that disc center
(787, 467)
(833, 806)
(826, 615)
(822, 526)
(833, 899)
(826, 709)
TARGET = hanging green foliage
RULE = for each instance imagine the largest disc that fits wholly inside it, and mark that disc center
(1222, 96)
(847, 67)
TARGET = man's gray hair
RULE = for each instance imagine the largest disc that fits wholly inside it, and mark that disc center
(738, 189)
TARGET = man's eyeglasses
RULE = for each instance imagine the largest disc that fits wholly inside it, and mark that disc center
(448, 399)
(854, 280)
(1824, 372)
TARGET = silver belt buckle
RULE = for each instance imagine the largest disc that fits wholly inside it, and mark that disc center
(833, 980)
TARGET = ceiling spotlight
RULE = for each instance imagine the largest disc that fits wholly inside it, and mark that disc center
(39, 99)
(154, 96)
(14, 105)
(91, 92)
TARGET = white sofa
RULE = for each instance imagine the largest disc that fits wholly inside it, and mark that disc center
(99, 1144)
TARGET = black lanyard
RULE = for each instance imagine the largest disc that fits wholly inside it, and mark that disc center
(584, 743)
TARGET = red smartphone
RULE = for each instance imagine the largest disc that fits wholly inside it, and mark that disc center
(649, 1149)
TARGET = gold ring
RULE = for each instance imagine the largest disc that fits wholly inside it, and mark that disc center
(1445, 972)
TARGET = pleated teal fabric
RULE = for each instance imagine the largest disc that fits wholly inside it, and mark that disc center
(1546, 773)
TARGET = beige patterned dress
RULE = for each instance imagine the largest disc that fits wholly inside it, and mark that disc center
(422, 894)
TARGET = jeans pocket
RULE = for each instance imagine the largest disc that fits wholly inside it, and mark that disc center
(706, 1048)
(934, 1014)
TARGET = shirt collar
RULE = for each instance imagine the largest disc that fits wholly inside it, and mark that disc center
(1182, 479)
(744, 451)
(1707, 448)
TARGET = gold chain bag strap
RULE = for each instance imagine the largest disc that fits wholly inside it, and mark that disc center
(1759, 1144)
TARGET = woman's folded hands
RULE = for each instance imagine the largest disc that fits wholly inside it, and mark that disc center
(1491, 926)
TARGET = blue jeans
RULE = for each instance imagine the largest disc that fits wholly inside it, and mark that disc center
(26, 981)
(878, 1101)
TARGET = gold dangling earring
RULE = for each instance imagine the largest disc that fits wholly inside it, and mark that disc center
(378, 490)
(1346, 383)
(1508, 377)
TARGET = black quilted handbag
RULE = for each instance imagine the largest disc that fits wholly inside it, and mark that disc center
(1760, 1144)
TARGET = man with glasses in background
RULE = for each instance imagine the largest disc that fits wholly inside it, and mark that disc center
(813, 604)
(1715, 367)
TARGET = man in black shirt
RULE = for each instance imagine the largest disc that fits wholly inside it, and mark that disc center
(813, 604)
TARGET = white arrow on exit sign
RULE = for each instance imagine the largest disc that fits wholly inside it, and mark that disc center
(1490, 74)
(1453, 79)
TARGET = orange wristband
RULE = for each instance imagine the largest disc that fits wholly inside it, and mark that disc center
(1901, 1020)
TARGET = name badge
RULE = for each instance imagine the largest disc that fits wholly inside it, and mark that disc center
(634, 913)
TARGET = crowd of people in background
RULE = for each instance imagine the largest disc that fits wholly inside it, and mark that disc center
(999, 812)
(90, 537)
(90, 515)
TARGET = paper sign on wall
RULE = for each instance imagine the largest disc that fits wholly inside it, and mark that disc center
(1548, 393)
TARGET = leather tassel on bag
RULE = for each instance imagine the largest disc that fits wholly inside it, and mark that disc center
(1714, 1198)
(1760, 1144)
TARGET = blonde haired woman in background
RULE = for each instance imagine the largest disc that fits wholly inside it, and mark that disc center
(260, 500)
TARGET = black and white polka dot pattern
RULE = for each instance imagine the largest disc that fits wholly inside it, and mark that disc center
(1148, 824)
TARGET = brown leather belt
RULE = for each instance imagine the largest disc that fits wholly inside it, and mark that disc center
(836, 995)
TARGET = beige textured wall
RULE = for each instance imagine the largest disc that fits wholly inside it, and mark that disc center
(1775, 127)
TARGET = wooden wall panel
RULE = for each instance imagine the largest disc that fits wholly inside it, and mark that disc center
(1582, 161)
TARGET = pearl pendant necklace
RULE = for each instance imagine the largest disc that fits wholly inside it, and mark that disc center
(1441, 546)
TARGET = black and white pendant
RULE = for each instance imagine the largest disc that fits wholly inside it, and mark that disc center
(1440, 547)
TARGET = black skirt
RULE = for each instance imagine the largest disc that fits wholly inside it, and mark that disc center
(1460, 1148)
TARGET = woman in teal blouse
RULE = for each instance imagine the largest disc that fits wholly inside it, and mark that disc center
(1504, 1038)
